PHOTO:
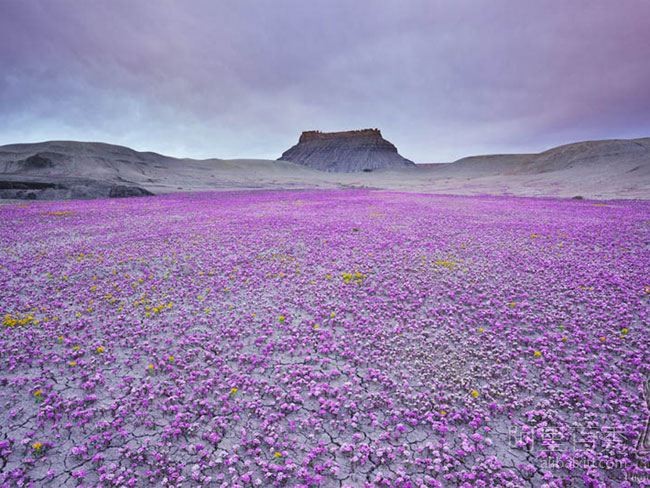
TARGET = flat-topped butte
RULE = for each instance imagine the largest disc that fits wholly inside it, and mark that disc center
(345, 152)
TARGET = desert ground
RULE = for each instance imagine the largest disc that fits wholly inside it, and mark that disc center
(324, 338)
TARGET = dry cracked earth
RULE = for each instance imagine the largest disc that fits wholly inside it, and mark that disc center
(324, 338)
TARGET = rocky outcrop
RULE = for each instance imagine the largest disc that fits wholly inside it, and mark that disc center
(123, 191)
(57, 170)
(346, 152)
(29, 188)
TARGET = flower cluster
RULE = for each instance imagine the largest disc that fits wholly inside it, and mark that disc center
(11, 320)
(253, 339)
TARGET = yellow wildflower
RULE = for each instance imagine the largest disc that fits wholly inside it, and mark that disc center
(11, 321)
(475, 393)
(537, 354)
(37, 446)
(445, 263)
(100, 349)
(233, 391)
(72, 363)
(277, 454)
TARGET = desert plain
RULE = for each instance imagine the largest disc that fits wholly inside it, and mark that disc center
(323, 338)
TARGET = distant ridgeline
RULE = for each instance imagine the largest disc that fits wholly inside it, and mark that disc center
(348, 151)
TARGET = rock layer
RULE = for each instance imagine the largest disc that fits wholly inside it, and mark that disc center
(346, 152)
(30, 188)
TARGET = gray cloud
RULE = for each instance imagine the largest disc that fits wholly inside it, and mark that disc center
(241, 78)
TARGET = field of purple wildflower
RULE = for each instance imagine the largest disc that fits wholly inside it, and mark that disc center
(324, 338)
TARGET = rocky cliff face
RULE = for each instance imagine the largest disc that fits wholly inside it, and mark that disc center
(346, 152)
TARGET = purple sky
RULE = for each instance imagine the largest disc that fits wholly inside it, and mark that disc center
(239, 78)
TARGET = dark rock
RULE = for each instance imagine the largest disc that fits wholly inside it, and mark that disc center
(25, 188)
(350, 151)
(37, 162)
(40, 161)
(121, 191)
(25, 185)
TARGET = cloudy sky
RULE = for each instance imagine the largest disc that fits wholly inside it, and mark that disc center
(240, 78)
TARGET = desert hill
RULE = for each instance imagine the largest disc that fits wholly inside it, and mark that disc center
(625, 154)
(68, 169)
